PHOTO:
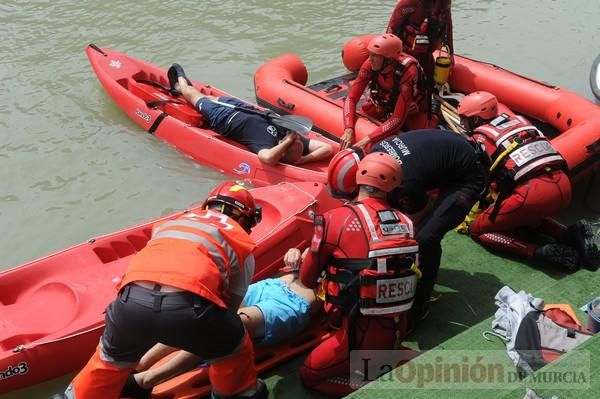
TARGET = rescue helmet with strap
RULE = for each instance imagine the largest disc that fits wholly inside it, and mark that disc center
(341, 172)
(387, 45)
(379, 170)
(235, 201)
(479, 103)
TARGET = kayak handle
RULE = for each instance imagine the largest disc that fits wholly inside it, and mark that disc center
(98, 49)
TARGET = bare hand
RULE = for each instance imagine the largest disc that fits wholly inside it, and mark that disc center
(347, 138)
(292, 259)
(291, 136)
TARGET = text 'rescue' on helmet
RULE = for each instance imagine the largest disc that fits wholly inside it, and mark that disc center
(479, 103)
(379, 170)
(386, 45)
(235, 201)
(341, 172)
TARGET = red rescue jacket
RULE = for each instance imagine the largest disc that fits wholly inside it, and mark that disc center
(367, 251)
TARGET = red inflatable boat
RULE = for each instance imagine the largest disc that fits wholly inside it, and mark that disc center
(51, 309)
(141, 90)
(572, 121)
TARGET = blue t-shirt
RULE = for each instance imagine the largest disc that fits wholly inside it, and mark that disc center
(253, 131)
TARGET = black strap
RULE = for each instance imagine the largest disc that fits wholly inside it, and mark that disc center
(157, 122)
(395, 92)
(152, 83)
(156, 104)
(501, 197)
(352, 316)
(354, 265)
(157, 304)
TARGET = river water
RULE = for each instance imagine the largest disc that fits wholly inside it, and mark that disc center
(73, 165)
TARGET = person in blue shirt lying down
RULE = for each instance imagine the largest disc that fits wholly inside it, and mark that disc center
(273, 311)
(271, 143)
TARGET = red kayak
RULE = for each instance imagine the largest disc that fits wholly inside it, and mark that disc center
(570, 120)
(141, 89)
(51, 309)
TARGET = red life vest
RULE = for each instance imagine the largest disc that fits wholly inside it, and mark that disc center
(518, 149)
(383, 283)
(423, 19)
(384, 89)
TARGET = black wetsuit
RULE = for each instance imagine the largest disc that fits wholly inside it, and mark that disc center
(435, 159)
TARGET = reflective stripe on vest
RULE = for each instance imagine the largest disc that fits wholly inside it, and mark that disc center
(530, 154)
(166, 231)
(383, 282)
(370, 224)
(393, 251)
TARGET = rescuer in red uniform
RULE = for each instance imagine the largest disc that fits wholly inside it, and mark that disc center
(392, 78)
(368, 252)
(528, 175)
(423, 26)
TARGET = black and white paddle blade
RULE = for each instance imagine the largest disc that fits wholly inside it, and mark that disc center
(298, 124)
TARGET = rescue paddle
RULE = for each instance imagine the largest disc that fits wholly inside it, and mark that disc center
(299, 124)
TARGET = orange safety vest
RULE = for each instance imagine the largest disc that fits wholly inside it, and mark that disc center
(384, 282)
(198, 252)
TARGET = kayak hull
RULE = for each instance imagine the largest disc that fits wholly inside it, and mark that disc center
(140, 89)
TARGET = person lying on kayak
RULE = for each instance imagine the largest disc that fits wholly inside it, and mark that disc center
(273, 310)
(271, 143)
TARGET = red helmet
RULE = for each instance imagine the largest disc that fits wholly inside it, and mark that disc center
(341, 172)
(236, 202)
(379, 170)
(387, 45)
(355, 52)
(479, 103)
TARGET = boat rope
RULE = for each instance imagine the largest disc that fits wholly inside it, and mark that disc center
(24, 347)
(310, 204)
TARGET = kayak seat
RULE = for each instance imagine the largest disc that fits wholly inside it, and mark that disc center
(32, 318)
(157, 97)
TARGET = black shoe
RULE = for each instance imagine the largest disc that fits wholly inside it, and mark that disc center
(558, 255)
(59, 396)
(132, 389)
(581, 237)
(262, 392)
(420, 308)
(174, 72)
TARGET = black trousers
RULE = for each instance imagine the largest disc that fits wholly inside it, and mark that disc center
(449, 210)
(141, 317)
